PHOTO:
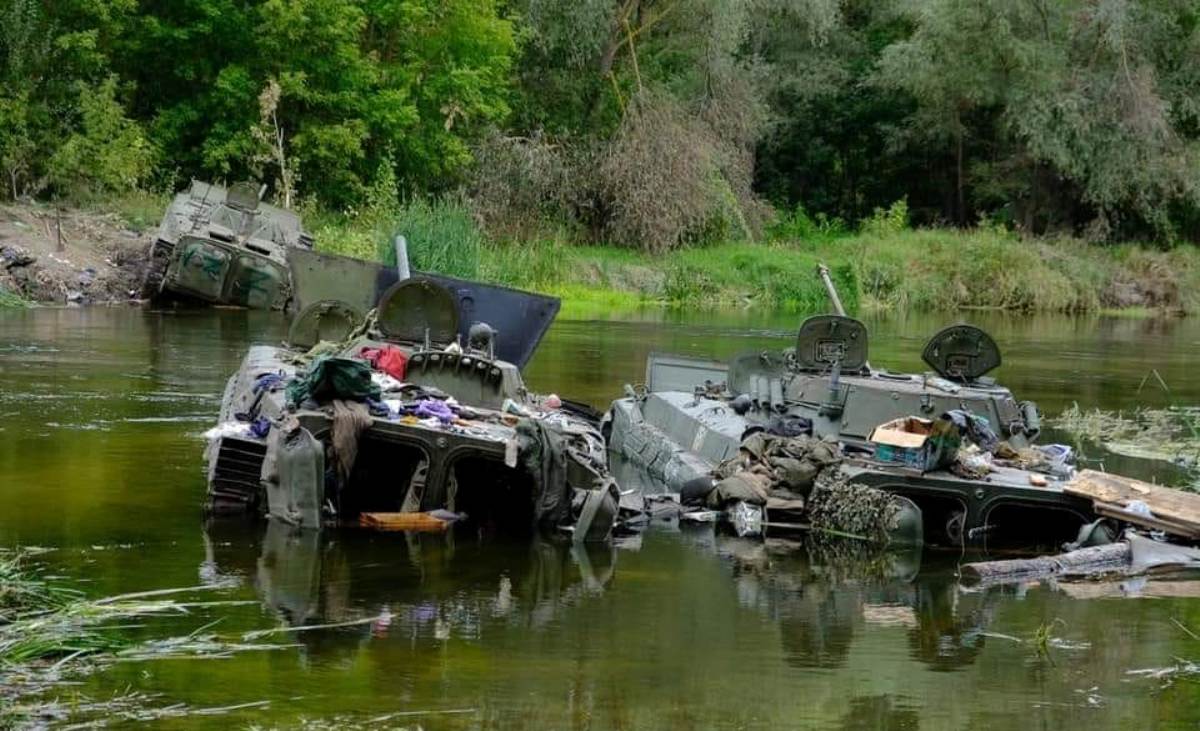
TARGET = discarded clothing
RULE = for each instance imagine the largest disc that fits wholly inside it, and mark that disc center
(434, 409)
(388, 359)
(791, 464)
(333, 378)
(293, 473)
(267, 382)
(790, 426)
(350, 420)
(228, 429)
(543, 454)
(260, 427)
(976, 429)
(743, 486)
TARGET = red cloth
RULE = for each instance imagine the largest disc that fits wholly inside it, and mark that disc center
(389, 359)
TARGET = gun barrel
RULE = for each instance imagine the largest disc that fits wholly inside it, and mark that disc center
(831, 290)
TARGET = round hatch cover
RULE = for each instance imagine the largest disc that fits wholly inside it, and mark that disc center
(961, 353)
(414, 304)
(330, 320)
(828, 339)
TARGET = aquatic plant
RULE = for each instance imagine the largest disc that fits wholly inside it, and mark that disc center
(1169, 435)
(1043, 638)
(50, 633)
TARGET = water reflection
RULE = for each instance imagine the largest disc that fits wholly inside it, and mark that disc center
(428, 588)
(821, 593)
(419, 586)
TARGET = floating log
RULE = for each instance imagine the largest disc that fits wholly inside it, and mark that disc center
(1096, 559)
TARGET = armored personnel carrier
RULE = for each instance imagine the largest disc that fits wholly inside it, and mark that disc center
(224, 246)
(692, 416)
(394, 405)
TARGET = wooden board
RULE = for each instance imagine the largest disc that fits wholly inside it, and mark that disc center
(402, 521)
(1174, 510)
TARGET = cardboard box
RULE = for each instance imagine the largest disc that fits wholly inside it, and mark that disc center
(911, 441)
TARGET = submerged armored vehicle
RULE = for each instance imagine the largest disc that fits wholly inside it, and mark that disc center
(693, 416)
(224, 246)
(394, 405)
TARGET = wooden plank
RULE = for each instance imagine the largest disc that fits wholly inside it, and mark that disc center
(403, 521)
(1167, 504)
(1173, 527)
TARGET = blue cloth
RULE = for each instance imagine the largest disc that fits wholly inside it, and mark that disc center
(260, 427)
(267, 382)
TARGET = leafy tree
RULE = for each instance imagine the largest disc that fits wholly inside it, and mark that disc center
(108, 153)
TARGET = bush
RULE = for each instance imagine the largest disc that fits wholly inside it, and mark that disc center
(520, 184)
(668, 179)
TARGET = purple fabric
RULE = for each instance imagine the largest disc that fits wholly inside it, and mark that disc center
(436, 409)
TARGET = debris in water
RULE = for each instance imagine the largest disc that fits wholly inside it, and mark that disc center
(1168, 435)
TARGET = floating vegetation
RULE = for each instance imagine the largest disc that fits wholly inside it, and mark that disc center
(1170, 435)
(51, 635)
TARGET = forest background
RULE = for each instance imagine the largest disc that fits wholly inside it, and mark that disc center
(1026, 154)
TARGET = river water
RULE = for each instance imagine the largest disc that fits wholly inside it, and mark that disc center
(101, 412)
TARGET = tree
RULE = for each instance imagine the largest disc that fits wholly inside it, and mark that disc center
(107, 154)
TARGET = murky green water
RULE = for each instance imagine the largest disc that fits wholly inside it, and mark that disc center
(101, 412)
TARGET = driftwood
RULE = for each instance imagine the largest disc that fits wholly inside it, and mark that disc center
(1096, 559)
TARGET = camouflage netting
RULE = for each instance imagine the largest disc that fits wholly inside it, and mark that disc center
(846, 507)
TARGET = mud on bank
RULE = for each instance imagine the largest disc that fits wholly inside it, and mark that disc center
(69, 256)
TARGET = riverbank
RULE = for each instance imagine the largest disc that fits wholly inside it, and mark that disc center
(71, 256)
(885, 267)
(935, 269)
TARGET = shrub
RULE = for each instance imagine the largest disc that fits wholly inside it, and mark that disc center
(669, 179)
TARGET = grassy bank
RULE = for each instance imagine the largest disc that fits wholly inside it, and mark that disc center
(891, 269)
(885, 265)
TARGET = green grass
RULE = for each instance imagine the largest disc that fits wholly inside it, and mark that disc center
(884, 265)
(442, 236)
(9, 299)
(140, 210)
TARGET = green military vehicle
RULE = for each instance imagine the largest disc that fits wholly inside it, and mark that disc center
(692, 416)
(224, 246)
(393, 401)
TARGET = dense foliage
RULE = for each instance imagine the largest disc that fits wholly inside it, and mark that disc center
(650, 123)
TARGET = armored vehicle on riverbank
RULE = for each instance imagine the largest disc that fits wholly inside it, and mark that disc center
(694, 423)
(224, 246)
(394, 405)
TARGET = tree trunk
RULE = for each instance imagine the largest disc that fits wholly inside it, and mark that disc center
(958, 164)
(1031, 205)
(1096, 559)
(616, 37)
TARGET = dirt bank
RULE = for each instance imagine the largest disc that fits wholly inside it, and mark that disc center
(96, 259)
